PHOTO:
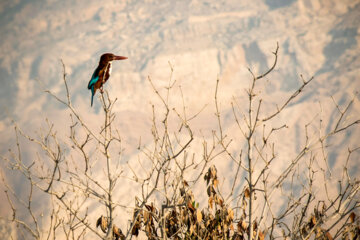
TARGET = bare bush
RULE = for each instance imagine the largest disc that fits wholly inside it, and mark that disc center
(83, 173)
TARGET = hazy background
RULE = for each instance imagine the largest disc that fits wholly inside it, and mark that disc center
(201, 39)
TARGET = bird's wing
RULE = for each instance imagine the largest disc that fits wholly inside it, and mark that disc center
(92, 82)
(94, 79)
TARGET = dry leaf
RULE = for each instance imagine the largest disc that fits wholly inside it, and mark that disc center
(220, 202)
(182, 192)
(215, 182)
(191, 229)
(247, 193)
(191, 207)
(255, 225)
(261, 236)
(207, 177)
(226, 227)
(146, 216)
(328, 236)
(241, 226)
(211, 201)
(117, 233)
(213, 171)
(352, 217)
(209, 191)
(313, 220)
(148, 207)
(232, 227)
(244, 225)
(198, 215)
(135, 229)
(230, 214)
(103, 223)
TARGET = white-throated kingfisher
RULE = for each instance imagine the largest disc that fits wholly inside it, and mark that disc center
(102, 73)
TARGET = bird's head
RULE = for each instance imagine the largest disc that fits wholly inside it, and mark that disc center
(108, 57)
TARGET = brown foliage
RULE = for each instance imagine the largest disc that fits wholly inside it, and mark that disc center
(188, 221)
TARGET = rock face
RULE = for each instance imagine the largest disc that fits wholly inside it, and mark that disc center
(201, 40)
(5, 229)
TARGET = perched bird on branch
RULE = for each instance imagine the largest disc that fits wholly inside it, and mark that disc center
(102, 73)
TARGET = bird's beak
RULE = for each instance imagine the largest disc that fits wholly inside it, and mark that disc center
(120, 58)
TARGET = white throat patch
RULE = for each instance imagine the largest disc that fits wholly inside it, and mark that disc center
(110, 66)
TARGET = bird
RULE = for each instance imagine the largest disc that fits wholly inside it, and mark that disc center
(102, 73)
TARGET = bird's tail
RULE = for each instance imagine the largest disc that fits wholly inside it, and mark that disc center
(92, 94)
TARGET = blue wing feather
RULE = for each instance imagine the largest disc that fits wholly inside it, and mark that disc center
(94, 78)
(91, 85)
(92, 81)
